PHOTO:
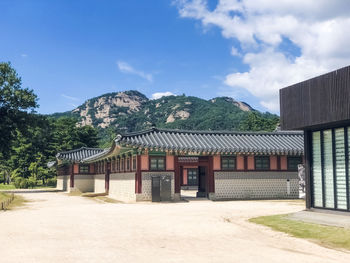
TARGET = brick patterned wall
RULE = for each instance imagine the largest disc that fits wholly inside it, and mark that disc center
(99, 183)
(255, 185)
(146, 194)
(122, 187)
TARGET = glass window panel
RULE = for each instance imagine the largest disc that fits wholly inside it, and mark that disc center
(328, 168)
(293, 163)
(317, 169)
(83, 169)
(262, 162)
(161, 163)
(228, 163)
(340, 168)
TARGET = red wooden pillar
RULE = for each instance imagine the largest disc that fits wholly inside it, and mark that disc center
(107, 173)
(72, 175)
(138, 177)
(177, 175)
(211, 179)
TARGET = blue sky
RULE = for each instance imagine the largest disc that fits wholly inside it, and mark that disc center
(70, 51)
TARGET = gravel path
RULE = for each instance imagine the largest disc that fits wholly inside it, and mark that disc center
(55, 227)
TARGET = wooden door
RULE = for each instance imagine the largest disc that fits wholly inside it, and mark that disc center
(192, 177)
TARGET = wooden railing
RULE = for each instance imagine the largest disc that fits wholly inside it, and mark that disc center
(5, 204)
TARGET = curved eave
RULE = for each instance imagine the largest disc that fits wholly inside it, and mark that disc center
(294, 152)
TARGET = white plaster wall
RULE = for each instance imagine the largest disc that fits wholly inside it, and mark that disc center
(99, 183)
(122, 187)
(84, 182)
(63, 182)
(146, 194)
(255, 185)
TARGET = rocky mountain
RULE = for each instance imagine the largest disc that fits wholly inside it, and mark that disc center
(128, 111)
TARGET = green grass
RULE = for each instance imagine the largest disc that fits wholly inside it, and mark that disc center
(328, 236)
(7, 186)
(12, 186)
(18, 201)
(4, 197)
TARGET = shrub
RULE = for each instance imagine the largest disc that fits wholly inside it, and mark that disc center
(32, 182)
(24, 183)
(52, 182)
(21, 182)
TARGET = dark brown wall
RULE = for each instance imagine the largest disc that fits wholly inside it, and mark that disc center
(316, 102)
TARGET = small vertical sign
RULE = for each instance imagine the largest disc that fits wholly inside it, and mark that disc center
(288, 187)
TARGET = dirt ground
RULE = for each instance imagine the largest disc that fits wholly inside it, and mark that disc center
(55, 227)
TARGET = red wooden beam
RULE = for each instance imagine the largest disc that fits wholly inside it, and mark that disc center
(138, 177)
(211, 181)
(177, 175)
(72, 175)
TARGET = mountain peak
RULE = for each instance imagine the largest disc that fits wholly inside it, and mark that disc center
(128, 111)
(240, 104)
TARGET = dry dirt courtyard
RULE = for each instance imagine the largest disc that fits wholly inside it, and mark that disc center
(55, 227)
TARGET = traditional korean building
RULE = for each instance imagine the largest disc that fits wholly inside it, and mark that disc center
(221, 165)
(321, 107)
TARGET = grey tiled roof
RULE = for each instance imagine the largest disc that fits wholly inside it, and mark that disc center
(281, 142)
(78, 154)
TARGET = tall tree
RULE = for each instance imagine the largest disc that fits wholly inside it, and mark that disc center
(15, 104)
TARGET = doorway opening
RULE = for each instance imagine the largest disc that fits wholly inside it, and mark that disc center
(193, 174)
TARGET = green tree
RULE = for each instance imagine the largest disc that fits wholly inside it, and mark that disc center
(256, 121)
(67, 136)
(15, 103)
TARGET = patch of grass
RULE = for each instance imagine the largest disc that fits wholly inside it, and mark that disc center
(12, 186)
(328, 236)
(93, 194)
(106, 199)
(7, 186)
(18, 201)
(4, 197)
(74, 193)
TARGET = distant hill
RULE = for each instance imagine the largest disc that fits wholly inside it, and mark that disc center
(128, 111)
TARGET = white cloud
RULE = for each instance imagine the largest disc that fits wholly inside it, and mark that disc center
(70, 97)
(319, 28)
(126, 68)
(24, 55)
(158, 95)
(235, 52)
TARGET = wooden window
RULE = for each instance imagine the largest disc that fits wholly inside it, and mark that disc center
(228, 163)
(157, 163)
(134, 163)
(123, 164)
(84, 168)
(128, 164)
(118, 165)
(113, 166)
(293, 163)
(262, 162)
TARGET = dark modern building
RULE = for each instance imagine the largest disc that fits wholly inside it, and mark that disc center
(220, 165)
(321, 107)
